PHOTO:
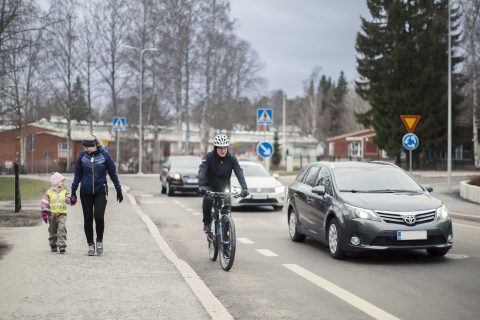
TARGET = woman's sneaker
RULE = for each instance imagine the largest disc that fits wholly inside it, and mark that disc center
(91, 249)
(99, 247)
(53, 248)
(62, 250)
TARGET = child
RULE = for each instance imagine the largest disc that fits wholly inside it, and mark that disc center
(54, 210)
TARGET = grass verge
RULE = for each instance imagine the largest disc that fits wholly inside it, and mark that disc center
(30, 189)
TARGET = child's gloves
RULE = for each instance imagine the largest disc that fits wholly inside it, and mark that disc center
(45, 216)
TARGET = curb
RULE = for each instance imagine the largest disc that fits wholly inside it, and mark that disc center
(464, 216)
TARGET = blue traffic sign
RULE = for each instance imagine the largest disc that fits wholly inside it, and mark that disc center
(264, 149)
(410, 141)
(119, 123)
(264, 116)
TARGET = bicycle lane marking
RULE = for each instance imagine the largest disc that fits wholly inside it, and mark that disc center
(343, 294)
(266, 252)
(211, 303)
(245, 241)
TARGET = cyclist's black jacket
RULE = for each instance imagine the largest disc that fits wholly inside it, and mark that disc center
(214, 173)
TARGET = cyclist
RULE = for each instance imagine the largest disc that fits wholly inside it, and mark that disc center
(214, 175)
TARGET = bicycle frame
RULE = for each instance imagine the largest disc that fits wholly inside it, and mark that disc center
(222, 239)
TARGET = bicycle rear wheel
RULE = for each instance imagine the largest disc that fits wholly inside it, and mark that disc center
(227, 243)
(212, 245)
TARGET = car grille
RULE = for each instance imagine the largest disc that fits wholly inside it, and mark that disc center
(261, 190)
(254, 201)
(392, 241)
(420, 217)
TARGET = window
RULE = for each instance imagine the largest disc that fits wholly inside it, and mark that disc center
(63, 150)
(355, 149)
(331, 148)
(301, 174)
(312, 176)
(325, 180)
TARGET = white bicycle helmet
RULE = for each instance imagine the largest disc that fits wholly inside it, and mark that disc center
(221, 140)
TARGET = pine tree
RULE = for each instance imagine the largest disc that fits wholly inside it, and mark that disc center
(277, 155)
(403, 56)
(79, 103)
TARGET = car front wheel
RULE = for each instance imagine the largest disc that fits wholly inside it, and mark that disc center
(334, 239)
(295, 235)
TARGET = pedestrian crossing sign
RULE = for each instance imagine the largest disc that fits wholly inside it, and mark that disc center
(119, 124)
(264, 116)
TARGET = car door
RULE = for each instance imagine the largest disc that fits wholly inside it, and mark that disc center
(303, 197)
(318, 205)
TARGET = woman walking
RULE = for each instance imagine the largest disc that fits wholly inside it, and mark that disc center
(91, 173)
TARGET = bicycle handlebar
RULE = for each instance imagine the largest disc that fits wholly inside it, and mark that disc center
(222, 194)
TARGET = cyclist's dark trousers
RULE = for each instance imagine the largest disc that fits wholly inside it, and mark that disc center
(207, 209)
(93, 206)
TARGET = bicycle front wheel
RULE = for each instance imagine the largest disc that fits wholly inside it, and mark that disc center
(212, 246)
(227, 243)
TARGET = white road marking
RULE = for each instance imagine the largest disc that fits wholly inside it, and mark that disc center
(146, 195)
(245, 240)
(343, 294)
(190, 209)
(266, 252)
(153, 201)
(196, 213)
(177, 202)
(466, 226)
(211, 303)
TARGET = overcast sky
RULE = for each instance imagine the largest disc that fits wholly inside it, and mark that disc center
(293, 36)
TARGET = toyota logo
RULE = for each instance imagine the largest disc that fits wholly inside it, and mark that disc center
(409, 220)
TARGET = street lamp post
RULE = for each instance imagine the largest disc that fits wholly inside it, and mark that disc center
(140, 116)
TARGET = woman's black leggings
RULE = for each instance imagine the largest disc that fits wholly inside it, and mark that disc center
(93, 207)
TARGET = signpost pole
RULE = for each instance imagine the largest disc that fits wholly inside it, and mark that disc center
(410, 161)
(117, 155)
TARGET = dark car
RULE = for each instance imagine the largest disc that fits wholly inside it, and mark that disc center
(179, 174)
(360, 206)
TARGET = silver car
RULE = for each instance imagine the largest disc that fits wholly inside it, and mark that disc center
(265, 189)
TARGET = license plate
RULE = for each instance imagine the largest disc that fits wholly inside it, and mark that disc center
(192, 180)
(259, 196)
(412, 235)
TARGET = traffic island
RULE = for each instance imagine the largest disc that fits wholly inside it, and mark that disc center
(469, 191)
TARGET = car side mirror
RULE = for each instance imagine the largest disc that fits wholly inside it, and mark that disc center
(428, 187)
(275, 175)
(320, 190)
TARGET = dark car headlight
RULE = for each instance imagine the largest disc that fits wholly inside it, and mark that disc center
(362, 213)
(175, 176)
(442, 213)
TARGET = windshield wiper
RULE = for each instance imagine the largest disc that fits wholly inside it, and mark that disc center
(392, 191)
(353, 191)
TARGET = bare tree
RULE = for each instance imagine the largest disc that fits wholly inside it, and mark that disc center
(64, 60)
(20, 43)
(471, 45)
(112, 25)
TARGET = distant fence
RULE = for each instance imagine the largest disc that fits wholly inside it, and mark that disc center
(10, 188)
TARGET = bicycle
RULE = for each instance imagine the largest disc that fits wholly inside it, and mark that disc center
(222, 238)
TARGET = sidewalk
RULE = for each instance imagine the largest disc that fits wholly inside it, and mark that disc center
(132, 280)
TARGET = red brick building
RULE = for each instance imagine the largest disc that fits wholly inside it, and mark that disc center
(45, 149)
(357, 145)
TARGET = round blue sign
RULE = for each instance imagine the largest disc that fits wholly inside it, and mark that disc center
(264, 149)
(410, 141)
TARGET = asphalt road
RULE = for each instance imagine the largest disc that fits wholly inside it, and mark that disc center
(275, 278)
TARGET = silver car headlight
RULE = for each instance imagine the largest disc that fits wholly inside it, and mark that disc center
(361, 213)
(442, 213)
(235, 189)
(175, 176)
(280, 189)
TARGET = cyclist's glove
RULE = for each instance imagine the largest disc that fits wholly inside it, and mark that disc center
(244, 193)
(202, 190)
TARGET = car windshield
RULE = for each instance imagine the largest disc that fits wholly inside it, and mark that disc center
(186, 162)
(381, 179)
(254, 171)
